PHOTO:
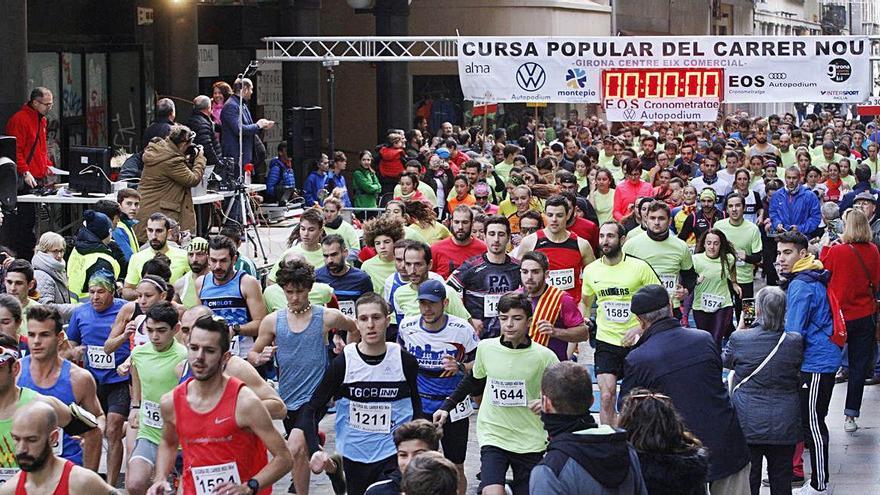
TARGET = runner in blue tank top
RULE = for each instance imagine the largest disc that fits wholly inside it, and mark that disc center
(299, 334)
(235, 296)
(45, 372)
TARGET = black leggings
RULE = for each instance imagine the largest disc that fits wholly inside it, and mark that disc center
(359, 475)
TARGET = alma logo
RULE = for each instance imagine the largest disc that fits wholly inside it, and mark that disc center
(576, 78)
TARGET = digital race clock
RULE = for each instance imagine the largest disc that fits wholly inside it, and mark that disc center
(663, 83)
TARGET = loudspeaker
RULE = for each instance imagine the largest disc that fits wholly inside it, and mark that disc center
(8, 174)
(304, 138)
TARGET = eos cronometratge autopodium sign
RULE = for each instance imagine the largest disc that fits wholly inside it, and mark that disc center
(639, 95)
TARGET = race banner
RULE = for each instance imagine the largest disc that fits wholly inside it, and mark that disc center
(756, 69)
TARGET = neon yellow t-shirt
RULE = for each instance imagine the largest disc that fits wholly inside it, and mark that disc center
(604, 205)
(179, 264)
(274, 297)
(379, 271)
(745, 237)
(516, 372)
(314, 258)
(668, 258)
(614, 286)
(406, 302)
(434, 233)
(712, 293)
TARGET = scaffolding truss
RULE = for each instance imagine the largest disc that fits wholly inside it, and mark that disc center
(362, 49)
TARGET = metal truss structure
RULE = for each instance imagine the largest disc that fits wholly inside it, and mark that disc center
(362, 49)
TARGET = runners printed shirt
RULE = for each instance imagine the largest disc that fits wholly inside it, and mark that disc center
(482, 283)
(614, 286)
(456, 339)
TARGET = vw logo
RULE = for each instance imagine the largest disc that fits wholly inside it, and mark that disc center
(777, 76)
(530, 77)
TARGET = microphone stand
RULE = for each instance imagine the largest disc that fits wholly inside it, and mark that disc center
(241, 193)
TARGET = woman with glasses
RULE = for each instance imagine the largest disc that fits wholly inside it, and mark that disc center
(764, 389)
(50, 272)
(672, 459)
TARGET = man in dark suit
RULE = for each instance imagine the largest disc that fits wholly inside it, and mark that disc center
(244, 89)
(684, 364)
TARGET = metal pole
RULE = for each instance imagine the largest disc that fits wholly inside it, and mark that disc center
(331, 117)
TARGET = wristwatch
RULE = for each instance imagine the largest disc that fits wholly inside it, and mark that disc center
(253, 485)
(236, 329)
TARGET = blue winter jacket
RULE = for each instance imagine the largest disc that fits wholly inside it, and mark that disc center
(801, 209)
(279, 173)
(809, 315)
(314, 183)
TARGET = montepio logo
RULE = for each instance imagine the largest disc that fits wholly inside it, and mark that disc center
(576, 78)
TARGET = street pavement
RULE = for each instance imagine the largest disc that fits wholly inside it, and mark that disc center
(853, 457)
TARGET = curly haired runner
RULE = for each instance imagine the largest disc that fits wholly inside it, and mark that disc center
(381, 233)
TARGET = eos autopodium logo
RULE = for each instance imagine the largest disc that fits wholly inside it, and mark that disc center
(839, 70)
(530, 77)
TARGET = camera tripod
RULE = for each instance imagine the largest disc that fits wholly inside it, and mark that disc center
(248, 220)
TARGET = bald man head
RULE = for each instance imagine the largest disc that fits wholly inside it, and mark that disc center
(34, 429)
(190, 316)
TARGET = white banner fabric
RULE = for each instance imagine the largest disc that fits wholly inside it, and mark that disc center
(757, 69)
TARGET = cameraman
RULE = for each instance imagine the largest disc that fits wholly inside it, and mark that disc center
(171, 167)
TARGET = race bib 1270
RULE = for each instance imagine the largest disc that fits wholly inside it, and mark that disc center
(100, 360)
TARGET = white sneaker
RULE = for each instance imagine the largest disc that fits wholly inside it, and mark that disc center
(809, 490)
(849, 424)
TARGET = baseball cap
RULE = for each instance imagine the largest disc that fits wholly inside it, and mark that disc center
(7, 354)
(432, 290)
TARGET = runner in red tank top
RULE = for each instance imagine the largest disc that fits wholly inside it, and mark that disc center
(221, 425)
(42, 472)
(568, 253)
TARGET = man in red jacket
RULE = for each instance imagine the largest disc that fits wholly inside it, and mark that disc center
(28, 125)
